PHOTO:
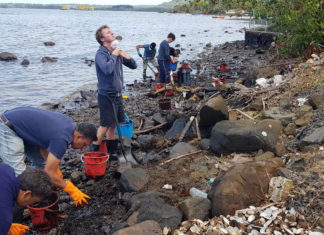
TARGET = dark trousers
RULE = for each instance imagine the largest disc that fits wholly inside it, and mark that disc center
(164, 72)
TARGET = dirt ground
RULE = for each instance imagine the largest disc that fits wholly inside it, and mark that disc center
(106, 210)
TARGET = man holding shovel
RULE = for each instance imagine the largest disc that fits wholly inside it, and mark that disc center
(109, 67)
(149, 58)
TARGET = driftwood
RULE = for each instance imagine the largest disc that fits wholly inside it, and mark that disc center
(197, 129)
(150, 129)
(181, 156)
(186, 128)
(244, 114)
(141, 124)
(245, 95)
(166, 88)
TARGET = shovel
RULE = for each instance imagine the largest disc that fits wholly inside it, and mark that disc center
(148, 65)
(127, 157)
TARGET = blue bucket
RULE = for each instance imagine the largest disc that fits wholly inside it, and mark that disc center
(172, 66)
(126, 127)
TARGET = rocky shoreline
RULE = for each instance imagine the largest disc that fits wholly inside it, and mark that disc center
(246, 146)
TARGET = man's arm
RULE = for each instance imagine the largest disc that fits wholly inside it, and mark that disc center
(107, 63)
(138, 47)
(128, 61)
(5, 218)
(51, 166)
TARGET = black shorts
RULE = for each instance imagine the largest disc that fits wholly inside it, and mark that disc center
(107, 117)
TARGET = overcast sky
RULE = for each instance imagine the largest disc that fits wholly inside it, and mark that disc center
(97, 2)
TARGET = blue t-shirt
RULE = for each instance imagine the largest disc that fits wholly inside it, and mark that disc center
(8, 196)
(164, 51)
(148, 52)
(41, 128)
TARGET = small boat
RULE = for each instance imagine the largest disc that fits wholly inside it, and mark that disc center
(218, 17)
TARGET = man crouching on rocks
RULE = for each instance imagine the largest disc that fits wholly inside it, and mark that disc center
(109, 66)
(43, 136)
(31, 186)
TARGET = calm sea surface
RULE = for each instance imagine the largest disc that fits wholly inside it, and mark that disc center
(23, 31)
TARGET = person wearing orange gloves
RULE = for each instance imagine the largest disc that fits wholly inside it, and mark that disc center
(31, 186)
(43, 136)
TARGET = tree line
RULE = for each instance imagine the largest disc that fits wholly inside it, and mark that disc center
(301, 22)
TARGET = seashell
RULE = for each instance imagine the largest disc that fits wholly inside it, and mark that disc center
(177, 232)
(251, 218)
(292, 211)
(195, 229)
(186, 224)
(226, 221)
(277, 233)
(266, 213)
(293, 224)
(223, 230)
(267, 223)
(288, 231)
(297, 230)
(166, 231)
(254, 232)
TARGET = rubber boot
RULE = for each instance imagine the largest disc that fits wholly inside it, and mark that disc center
(144, 75)
(94, 148)
(112, 146)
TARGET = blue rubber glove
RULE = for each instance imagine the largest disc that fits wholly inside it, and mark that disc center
(139, 54)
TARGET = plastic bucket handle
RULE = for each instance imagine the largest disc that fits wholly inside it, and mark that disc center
(99, 163)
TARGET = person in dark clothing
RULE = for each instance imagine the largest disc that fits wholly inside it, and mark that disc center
(164, 58)
(149, 57)
(174, 52)
(109, 67)
(43, 136)
(31, 186)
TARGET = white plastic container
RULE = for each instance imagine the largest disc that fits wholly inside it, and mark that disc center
(197, 193)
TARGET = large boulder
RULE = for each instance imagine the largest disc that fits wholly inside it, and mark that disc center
(317, 99)
(316, 137)
(244, 185)
(181, 148)
(49, 59)
(245, 136)
(148, 227)
(215, 110)
(151, 206)
(133, 180)
(278, 114)
(195, 208)
(6, 56)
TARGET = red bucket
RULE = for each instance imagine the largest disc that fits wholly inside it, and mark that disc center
(158, 86)
(45, 217)
(223, 67)
(169, 92)
(95, 163)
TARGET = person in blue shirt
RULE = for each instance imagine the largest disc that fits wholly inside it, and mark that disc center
(31, 186)
(109, 67)
(164, 58)
(43, 137)
(149, 57)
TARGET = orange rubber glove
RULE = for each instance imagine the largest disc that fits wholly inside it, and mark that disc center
(17, 229)
(75, 193)
(59, 173)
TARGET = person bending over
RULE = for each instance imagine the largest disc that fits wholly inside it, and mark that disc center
(43, 136)
(31, 186)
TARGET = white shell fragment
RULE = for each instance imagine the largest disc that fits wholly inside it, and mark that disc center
(270, 219)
